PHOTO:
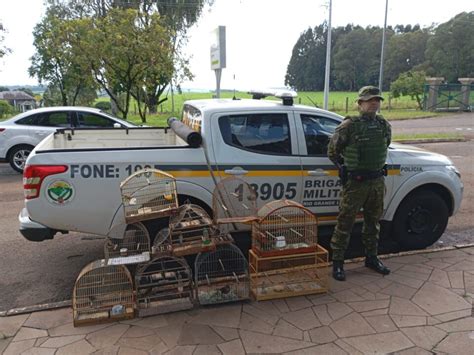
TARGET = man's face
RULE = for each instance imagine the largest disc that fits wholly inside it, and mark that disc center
(369, 106)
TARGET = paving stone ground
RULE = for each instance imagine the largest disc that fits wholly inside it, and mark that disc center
(424, 306)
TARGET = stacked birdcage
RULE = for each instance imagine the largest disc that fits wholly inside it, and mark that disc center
(102, 293)
(286, 259)
(191, 231)
(163, 285)
(284, 227)
(288, 275)
(234, 205)
(148, 194)
(221, 275)
(133, 248)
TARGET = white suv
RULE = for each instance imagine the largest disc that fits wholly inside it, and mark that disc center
(20, 134)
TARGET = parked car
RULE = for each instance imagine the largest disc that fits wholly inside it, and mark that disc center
(20, 134)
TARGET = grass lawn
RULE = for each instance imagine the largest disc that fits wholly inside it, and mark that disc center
(342, 103)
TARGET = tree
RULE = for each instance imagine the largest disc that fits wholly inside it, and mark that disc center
(177, 17)
(4, 88)
(3, 50)
(450, 51)
(5, 108)
(57, 62)
(123, 54)
(404, 52)
(305, 70)
(410, 83)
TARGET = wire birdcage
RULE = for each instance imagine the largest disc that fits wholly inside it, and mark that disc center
(148, 194)
(164, 285)
(234, 205)
(221, 275)
(191, 231)
(284, 227)
(288, 275)
(102, 293)
(133, 248)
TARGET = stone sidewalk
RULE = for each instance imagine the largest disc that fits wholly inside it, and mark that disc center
(424, 306)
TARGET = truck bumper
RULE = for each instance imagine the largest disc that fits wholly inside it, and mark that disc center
(34, 231)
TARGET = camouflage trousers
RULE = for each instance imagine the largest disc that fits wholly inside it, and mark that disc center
(368, 195)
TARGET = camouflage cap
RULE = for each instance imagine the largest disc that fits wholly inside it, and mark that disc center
(368, 92)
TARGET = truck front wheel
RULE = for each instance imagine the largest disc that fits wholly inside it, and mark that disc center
(420, 220)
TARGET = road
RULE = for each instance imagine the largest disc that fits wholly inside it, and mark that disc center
(37, 273)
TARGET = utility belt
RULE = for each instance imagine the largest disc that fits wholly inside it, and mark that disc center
(367, 175)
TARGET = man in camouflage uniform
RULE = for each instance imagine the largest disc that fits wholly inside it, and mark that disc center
(359, 149)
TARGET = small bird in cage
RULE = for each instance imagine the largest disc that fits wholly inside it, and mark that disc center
(225, 290)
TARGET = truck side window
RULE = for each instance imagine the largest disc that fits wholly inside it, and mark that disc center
(317, 131)
(261, 133)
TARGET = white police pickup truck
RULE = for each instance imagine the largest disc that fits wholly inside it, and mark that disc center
(72, 177)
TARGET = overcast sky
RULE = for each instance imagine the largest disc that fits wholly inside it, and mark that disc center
(260, 34)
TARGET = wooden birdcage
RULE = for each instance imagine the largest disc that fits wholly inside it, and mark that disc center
(288, 275)
(163, 285)
(133, 248)
(234, 205)
(284, 227)
(102, 293)
(191, 231)
(148, 194)
(221, 275)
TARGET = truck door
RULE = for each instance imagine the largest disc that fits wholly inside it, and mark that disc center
(321, 184)
(261, 148)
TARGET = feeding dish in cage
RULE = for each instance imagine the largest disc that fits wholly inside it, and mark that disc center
(221, 275)
(284, 227)
(163, 285)
(191, 231)
(102, 293)
(133, 248)
(234, 204)
(162, 243)
(288, 275)
(148, 194)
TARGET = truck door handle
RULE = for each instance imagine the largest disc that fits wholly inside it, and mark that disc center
(236, 171)
(318, 172)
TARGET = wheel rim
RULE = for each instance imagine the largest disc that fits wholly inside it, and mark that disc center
(419, 220)
(19, 158)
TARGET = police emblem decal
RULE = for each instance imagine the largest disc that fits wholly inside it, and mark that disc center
(60, 192)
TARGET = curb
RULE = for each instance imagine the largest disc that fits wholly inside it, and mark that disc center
(430, 140)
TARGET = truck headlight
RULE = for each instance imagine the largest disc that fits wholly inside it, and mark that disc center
(454, 170)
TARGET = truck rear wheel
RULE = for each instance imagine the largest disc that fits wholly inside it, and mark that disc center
(420, 220)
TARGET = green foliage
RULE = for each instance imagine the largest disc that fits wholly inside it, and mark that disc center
(410, 83)
(450, 50)
(3, 50)
(5, 108)
(405, 52)
(103, 105)
(59, 63)
(4, 88)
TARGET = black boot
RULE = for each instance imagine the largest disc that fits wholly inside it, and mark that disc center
(374, 263)
(338, 270)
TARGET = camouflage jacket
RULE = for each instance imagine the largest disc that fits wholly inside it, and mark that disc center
(342, 137)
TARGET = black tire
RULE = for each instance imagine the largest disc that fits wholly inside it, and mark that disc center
(420, 220)
(18, 155)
